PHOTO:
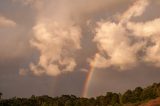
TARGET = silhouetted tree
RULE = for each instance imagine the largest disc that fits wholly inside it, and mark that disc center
(137, 94)
(127, 97)
(1, 95)
(110, 99)
(101, 101)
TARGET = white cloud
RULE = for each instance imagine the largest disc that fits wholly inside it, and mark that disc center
(147, 29)
(135, 10)
(4, 22)
(57, 35)
(114, 42)
(153, 52)
(114, 46)
(150, 31)
(56, 43)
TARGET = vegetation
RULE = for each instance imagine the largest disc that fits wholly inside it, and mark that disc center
(135, 97)
(0, 95)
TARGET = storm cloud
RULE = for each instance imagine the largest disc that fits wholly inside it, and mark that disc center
(51, 45)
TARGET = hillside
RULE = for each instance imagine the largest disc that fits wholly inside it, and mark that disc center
(149, 96)
(154, 102)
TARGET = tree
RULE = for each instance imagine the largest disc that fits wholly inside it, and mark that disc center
(137, 94)
(112, 98)
(149, 93)
(1, 95)
(115, 99)
(68, 103)
(101, 101)
(158, 91)
(127, 97)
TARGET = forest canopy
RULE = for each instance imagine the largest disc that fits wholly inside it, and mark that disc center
(135, 97)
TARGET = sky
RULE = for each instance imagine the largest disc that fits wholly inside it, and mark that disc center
(80, 47)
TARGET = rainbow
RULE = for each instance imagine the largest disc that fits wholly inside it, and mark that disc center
(88, 80)
(125, 16)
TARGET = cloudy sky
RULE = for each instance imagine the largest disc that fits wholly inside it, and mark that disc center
(80, 47)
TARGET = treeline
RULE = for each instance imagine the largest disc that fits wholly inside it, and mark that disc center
(134, 97)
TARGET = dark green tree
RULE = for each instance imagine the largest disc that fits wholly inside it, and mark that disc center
(149, 93)
(101, 101)
(1, 95)
(115, 99)
(127, 97)
(112, 98)
(137, 92)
